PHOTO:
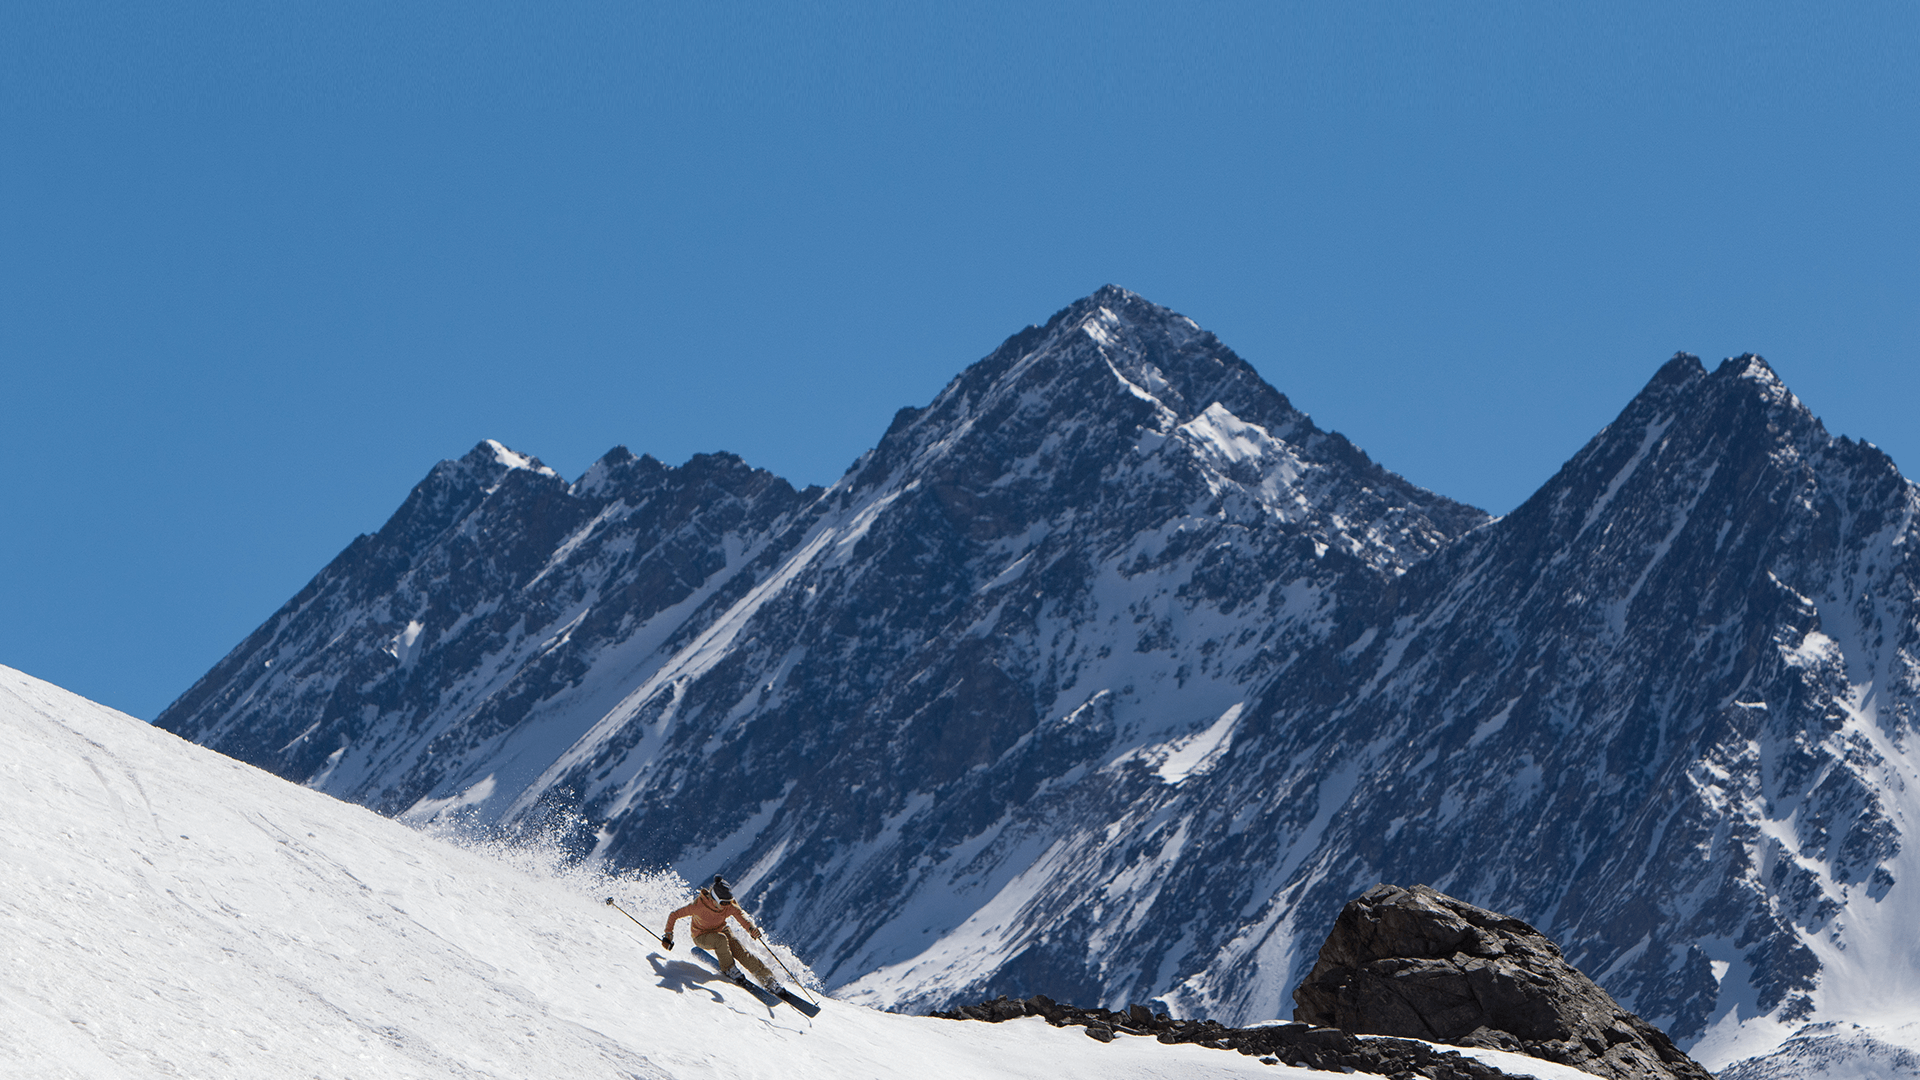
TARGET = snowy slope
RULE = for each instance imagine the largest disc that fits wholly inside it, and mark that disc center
(171, 912)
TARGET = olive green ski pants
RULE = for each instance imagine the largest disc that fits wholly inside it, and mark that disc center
(723, 946)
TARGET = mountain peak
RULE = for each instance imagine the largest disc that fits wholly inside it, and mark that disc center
(1110, 308)
(1114, 298)
(1110, 367)
(495, 452)
(1683, 367)
(1107, 381)
(1160, 357)
(1748, 366)
(1751, 368)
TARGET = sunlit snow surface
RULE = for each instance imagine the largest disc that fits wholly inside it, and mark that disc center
(170, 912)
(1838, 1051)
(1513, 1064)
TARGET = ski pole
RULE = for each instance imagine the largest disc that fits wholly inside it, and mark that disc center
(783, 967)
(790, 975)
(642, 925)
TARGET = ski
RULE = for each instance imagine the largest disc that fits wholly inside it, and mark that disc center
(767, 997)
(807, 1008)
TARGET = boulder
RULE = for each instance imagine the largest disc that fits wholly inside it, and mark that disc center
(1418, 964)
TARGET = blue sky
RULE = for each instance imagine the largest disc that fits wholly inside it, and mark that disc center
(261, 265)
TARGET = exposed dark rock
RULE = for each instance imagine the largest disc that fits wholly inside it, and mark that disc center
(1290, 1043)
(1419, 964)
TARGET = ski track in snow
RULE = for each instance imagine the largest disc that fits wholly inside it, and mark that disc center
(172, 912)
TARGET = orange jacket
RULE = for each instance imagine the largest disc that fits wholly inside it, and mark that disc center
(708, 915)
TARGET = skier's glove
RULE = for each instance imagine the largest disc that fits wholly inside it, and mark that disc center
(668, 941)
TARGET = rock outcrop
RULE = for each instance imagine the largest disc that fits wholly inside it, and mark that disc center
(1418, 964)
(1311, 1047)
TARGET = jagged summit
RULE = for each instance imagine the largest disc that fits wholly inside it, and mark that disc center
(1753, 367)
(599, 477)
(1114, 377)
(1124, 342)
(503, 456)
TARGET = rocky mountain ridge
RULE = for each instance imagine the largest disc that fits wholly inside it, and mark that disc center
(1109, 635)
(1686, 667)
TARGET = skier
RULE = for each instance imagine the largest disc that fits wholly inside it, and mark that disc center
(708, 913)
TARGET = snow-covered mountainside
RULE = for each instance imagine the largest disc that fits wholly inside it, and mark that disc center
(1109, 675)
(1665, 709)
(172, 912)
(1837, 1051)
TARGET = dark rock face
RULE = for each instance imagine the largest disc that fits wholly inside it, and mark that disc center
(1325, 1048)
(1419, 964)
